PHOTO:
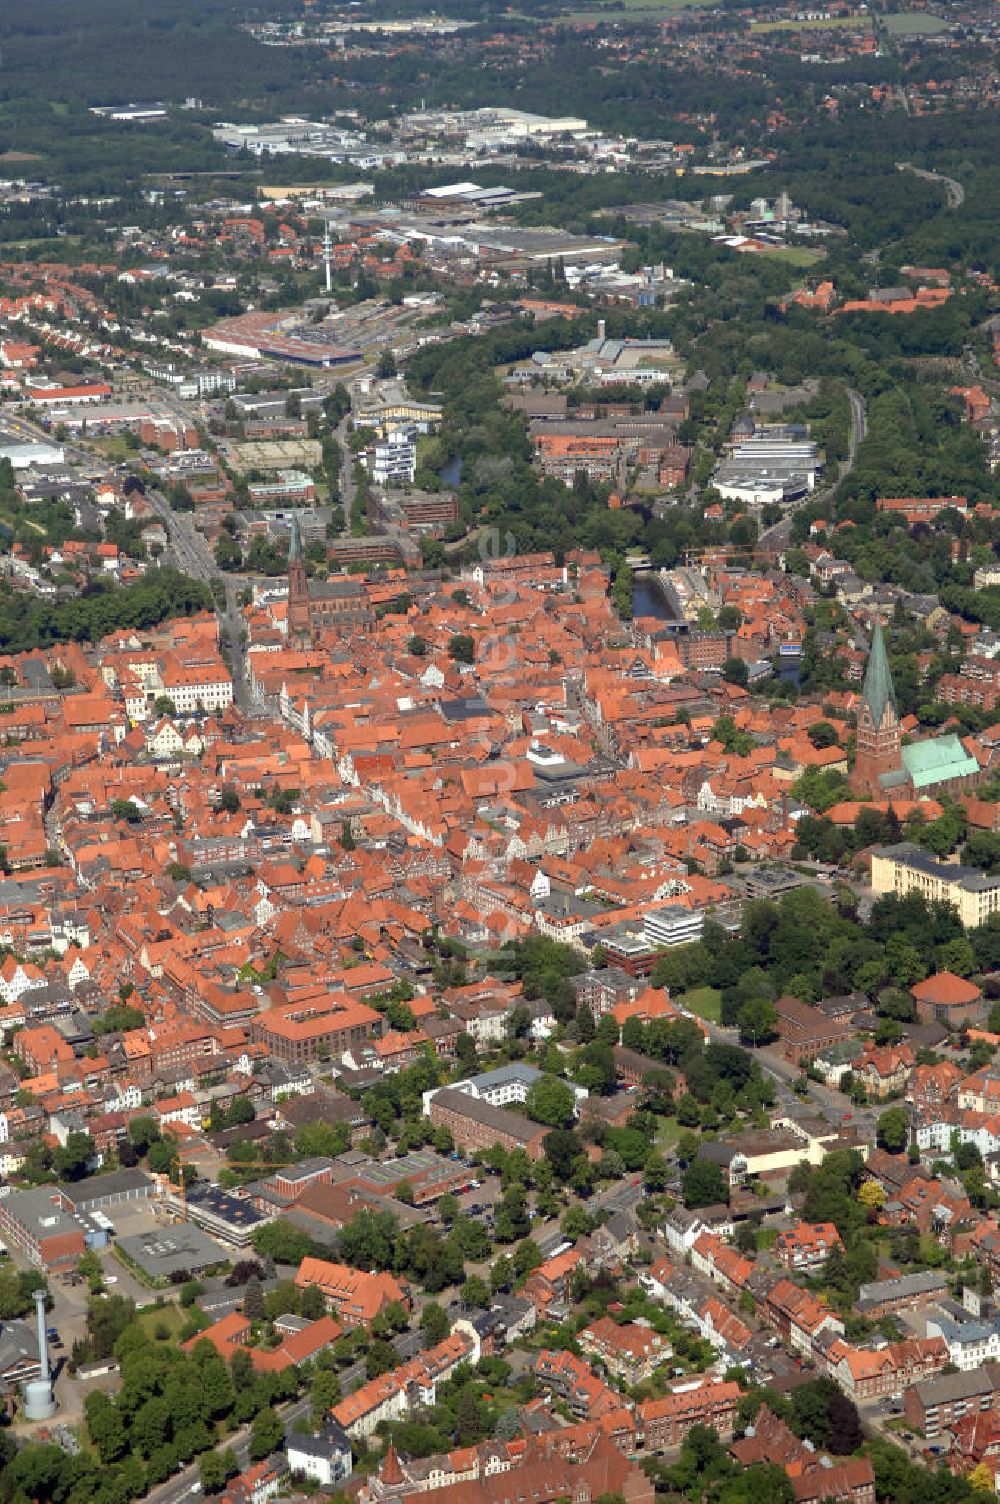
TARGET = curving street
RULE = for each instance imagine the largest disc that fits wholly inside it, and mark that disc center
(953, 189)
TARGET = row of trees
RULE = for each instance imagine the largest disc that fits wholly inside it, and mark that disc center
(170, 1403)
(30, 622)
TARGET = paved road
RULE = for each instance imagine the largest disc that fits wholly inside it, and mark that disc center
(195, 558)
(856, 437)
(191, 551)
(778, 536)
(34, 431)
(831, 1104)
(953, 189)
(189, 547)
(859, 430)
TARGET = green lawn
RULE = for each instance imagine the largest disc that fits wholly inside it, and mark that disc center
(798, 255)
(168, 1315)
(668, 1132)
(112, 448)
(706, 1002)
(913, 23)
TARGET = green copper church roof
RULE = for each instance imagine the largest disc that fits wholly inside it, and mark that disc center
(937, 760)
(878, 691)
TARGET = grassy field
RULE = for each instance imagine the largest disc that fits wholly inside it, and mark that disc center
(668, 1133)
(797, 255)
(913, 23)
(114, 448)
(706, 1002)
(168, 1316)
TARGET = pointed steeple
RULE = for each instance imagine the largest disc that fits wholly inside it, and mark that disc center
(878, 691)
(295, 542)
(392, 1473)
(299, 611)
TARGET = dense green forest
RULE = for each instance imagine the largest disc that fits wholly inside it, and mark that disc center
(117, 52)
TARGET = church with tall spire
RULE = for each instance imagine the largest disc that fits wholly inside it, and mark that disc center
(337, 604)
(299, 609)
(878, 762)
(883, 766)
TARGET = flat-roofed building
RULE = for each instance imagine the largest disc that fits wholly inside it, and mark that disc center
(428, 1175)
(164, 1251)
(39, 1226)
(101, 1192)
(225, 1217)
(905, 868)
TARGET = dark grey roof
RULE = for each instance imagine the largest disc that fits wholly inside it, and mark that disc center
(472, 708)
(947, 1387)
(717, 1153)
(93, 1190)
(219, 1204)
(922, 861)
(162, 1250)
(332, 1441)
(18, 1345)
(497, 1118)
(511, 1309)
(902, 1287)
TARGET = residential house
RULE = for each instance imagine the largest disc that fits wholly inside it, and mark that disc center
(326, 1456)
(576, 1384)
(871, 1374)
(665, 1422)
(806, 1247)
(798, 1317)
(629, 1352)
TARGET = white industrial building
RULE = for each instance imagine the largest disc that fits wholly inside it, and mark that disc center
(41, 456)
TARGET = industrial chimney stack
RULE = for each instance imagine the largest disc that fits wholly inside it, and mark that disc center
(39, 1401)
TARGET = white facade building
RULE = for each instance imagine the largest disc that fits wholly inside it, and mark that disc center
(394, 462)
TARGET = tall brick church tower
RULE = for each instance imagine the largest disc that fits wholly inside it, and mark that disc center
(878, 754)
(299, 612)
